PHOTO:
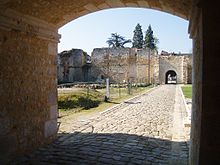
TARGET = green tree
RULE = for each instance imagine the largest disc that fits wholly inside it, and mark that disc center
(138, 37)
(117, 40)
(150, 41)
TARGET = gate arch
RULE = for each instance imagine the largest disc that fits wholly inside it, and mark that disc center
(29, 31)
(170, 77)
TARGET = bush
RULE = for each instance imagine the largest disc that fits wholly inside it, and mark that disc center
(88, 103)
(67, 104)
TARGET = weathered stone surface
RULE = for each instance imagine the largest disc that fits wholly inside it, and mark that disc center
(52, 49)
(125, 64)
(52, 98)
(25, 86)
(73, 66)
(139, 65)
(50, 128)
(53, 112)
(24, 59)
(181, 64)
(205, 146)
(60, 13)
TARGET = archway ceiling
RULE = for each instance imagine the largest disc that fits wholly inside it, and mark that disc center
(60, 12)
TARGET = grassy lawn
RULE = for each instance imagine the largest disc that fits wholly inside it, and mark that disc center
(80, 101)
(187, 91)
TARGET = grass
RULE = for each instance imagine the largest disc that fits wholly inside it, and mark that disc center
(187, 91)
(76, 101)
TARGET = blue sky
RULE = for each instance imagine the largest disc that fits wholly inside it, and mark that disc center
(92, 30)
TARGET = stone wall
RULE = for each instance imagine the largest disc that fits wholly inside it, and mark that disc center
(197, 98)
(110, 63)
(181, 64)
(73, 66)
(205, 129)
(28, 95)
(187, 69)
(149, 75)
(124, 64)
(139, 65)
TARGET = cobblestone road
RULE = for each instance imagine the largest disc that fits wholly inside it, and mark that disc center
(146, 130)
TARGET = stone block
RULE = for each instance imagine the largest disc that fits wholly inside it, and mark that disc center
(52, 49)
(50, 128)
(52, 98)
(53, 112)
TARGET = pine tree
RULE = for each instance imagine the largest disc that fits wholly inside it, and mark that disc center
(150, 41)
(117, 40)
(138, 37)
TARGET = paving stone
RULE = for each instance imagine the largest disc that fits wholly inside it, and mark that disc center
(128, 134)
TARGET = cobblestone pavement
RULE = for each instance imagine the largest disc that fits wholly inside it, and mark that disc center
(145, 130)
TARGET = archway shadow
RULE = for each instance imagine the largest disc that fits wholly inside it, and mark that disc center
(107, 148)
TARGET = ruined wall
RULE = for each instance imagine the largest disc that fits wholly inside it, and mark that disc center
(28, 95)
(142, 65)
(136, 65)
(109, 62)
(72, 66)
(125, 64)
(155, 62)
(181, 64)
(144, 73)
(60, 70)
(187, 69)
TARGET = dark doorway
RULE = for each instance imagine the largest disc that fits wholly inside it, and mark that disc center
(171, 77)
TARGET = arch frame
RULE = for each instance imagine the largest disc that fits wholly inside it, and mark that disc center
(173, 74)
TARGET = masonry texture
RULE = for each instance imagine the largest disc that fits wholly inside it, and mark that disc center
(181, 64)
(124, 65)
(73, 66)
(29, 62)
(28, 76)
(29, 31)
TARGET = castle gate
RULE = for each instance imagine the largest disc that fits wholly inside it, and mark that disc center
(28, 76)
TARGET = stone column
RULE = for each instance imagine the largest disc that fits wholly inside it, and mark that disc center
(28, 84)
(205, 133)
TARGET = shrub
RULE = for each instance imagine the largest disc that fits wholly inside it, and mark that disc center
(67, 103)
(88, 103)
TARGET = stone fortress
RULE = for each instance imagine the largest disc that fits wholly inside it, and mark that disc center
(73, 66)
(124, 65)
(28, 47)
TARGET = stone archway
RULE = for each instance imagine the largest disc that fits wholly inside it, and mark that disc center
(170, 77)
(28, 48)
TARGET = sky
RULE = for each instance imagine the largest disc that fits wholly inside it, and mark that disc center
(92, 30)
